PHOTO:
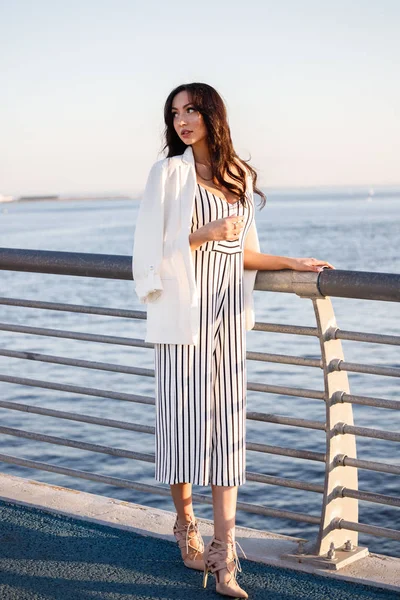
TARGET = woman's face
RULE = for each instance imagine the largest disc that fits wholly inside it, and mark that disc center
(187, 119)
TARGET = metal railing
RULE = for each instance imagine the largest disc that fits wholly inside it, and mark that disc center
(338, 522)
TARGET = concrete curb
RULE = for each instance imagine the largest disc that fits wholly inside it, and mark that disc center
(259, 546)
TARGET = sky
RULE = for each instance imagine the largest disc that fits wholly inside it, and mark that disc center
(312, 89)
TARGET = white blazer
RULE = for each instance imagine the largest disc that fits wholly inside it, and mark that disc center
(162, 261)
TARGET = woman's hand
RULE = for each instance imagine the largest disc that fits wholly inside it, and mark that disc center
(269, 262)
(308, 264)
(227, 228)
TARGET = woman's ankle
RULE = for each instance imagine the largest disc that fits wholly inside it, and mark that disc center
(225, 535)
(185, 518)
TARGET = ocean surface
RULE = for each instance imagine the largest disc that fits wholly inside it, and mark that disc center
(356, 232)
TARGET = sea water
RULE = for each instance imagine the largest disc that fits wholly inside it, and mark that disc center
(356, 232)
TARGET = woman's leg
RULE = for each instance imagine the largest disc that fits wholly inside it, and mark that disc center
(224, 504)
(182, 497)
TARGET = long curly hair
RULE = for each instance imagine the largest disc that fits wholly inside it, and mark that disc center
(207, 101)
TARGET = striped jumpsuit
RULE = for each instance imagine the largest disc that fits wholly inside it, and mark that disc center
(201, 388)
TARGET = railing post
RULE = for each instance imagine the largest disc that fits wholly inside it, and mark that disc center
(334, 547)
(337, 476)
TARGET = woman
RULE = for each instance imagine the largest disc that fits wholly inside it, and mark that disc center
(195, 258)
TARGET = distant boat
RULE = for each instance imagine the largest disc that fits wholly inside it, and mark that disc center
(52, 197)
(371, 193)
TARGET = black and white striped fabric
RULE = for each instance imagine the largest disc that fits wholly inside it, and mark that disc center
(201, 389)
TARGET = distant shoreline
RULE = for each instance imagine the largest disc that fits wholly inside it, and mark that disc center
(64, 199)
(301, 193)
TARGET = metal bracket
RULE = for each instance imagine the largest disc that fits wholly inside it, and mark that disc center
(334, 559)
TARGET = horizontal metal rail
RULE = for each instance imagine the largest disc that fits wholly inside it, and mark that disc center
(364, 528)
(290, 421)
(370, 465)
(60, 441)
(343, 365)
(370, 497)
(76, 335)
(283, 482)
(390, 436)
(153, 489)
(76, 362)
(79, 418)
(79, 264)
(285, 390)
(287, 329)
(365, 285)
(293, 453)
(373, 338)
(28, 355)
(78, 389)
(329, 282)
(76, 308)
(284, 359)
(366, 401)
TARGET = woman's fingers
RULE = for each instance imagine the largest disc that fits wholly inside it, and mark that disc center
(235, 226)
(227, 228)
(311, 264)
(323, 263)
(317, 263)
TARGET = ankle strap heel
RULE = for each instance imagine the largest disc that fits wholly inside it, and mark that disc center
(220, 555)
(191, 543)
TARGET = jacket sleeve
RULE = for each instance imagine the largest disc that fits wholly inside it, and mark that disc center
(251, 241)
(148, 239)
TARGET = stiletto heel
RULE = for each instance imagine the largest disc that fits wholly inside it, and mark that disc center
(189, 537)
(220, 555)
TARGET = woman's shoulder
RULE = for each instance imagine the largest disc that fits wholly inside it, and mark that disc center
(166, 163)
(159, 165)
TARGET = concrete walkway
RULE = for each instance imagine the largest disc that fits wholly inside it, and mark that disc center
(45, 556)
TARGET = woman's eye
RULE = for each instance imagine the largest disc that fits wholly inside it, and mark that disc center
(175, 113)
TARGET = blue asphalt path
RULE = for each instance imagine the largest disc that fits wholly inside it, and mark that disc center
(45, 556)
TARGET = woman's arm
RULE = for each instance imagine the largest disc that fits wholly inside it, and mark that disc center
(198, 237)
(227, 228)
(268, 262)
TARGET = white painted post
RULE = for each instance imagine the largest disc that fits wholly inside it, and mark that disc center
(334, 506)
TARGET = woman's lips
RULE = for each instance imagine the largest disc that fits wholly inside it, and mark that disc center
(185, 133)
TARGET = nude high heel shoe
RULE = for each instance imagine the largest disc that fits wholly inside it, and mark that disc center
(222, 555)
(191, 543)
